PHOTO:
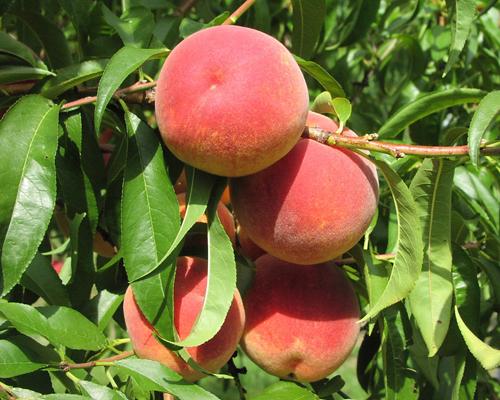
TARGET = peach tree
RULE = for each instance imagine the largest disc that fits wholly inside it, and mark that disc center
(152, 152)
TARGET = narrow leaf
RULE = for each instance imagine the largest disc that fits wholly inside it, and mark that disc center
(17, 73)
(11, 46)
(150, 212)
(72, 76)
(122, 64)
(16, 360)
(308, 16)
(28, 143)
(285, 391)
(465, 11)
(322, 76)
(431, 299)
(484, 353)
(99, 392)
(155, 376)
(425, 105)
(488, 108)
(408, 260)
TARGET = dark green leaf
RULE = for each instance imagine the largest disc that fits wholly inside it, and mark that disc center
(488, 108)
(308, 16)
(155, 376)
(121, 65)
(463, 13)
(409, 255)
(42, 279)
(16, 360)
(17, 73)
(50, 36)
(150, 212)
(431, 299)
(425, 105)
(72, 76)
(322, 76)
(11, 46)
(285, 391)
(28, 142)
(101, 308)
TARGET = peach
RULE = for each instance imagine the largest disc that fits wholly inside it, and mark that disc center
(225, 216)
(301, 321)
(190, 286)
(311, 206)
(230, 100)
(247, 246)
(180, 186)
(57, 265)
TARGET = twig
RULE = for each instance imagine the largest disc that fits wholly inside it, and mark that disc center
(131, 94)
(6, 390)
(352, 260)
(90, 364)
(235, 371)
(394, 149)
(239, 12)
(184, 8)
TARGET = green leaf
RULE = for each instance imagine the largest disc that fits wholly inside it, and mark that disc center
(400, 382)
(461, 22)
(41, 279)
(122, 64)
(343, 109)
(425, 105)
(135, 27)
(308, 17)
(150, 212)
(155, 376)
(431, 299)
(50, 36)
(101, 308)
(28, 143)
(11, 46)
(285, 391)
(323, 104)
(95, 391)
(221, 282)
(17, 73)
(322, 76)
(484, 353)
(409, 255)
(60, 325)
(487, 110)
(72, 76)
(16, 360)
(199, 188)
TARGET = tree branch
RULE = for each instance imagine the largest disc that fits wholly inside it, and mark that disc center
(397, 150)
(238, 12)
(90, 364)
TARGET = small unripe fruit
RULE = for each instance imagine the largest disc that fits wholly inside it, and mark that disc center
(189, 293)
(309, 207)
(301, 320)
(230, 100)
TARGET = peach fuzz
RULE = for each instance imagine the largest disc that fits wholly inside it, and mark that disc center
(225, 216)
(309, 207)
(301, 321)
(230, 100)
(189, 293)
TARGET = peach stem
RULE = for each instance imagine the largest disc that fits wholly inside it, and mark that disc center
(239, 12)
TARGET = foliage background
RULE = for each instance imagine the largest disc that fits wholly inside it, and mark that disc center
(416, 72)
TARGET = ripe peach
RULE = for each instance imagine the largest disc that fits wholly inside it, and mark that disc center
(247, 247)
(225, 216)
(309, 207)
(301, 321)
(57, 265)
(189, 293)
(231, 100)
(180, 186)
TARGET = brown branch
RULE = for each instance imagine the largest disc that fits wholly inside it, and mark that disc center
(235, 371)
(352, 260)
(239, 12)
(184, 8)
(90, 364)
(8, 393)
(394, 149)
(139, 92)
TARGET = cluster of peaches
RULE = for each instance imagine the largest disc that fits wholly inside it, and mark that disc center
(232, 101)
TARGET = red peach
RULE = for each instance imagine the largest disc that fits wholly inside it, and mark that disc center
(57, 265)
(247, 246)
(231, 100)
(189, 293)
(301, 321)
(309, 207)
